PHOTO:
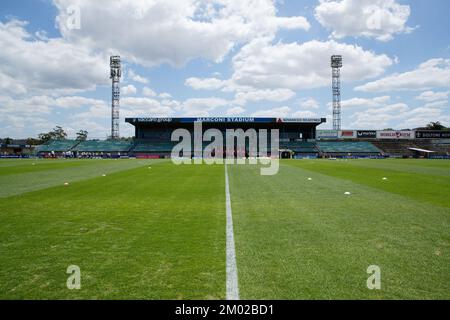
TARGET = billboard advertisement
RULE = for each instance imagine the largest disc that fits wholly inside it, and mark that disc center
(396, 135)
(424, 134)
(225, 120)
(327, 134)
(300, 120)
(347, 134)
(366, 134)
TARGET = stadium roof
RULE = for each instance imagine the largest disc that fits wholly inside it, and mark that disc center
(226, 120)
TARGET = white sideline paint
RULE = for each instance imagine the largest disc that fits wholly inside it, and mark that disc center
(232, 277)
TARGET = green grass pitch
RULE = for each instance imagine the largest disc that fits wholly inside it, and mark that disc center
(152, 230)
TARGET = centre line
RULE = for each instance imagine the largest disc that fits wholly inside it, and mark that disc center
(232, 277)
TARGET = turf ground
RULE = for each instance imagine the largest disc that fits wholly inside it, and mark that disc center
(153, 230)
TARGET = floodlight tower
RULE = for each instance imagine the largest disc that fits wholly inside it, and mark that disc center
(116, 73)
(336, 64)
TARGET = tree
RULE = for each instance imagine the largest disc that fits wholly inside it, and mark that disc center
(127, 139)
(435, 126)
(82, 135)
(57, 133)
(44, 137)
(33, 141)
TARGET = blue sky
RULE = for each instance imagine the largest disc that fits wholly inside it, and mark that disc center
(222, 58)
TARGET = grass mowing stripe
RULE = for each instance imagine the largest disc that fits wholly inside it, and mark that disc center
(311, 241)
(426, 167)
(19, 183)
(136, 234)
(232, 275)
(412, 184)
(42, 165)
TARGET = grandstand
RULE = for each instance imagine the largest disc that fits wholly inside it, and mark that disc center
(152, 149)
(353, 148)
(57, 146)
(297, 139)
(110, 146)
(153, 135)
(152, 146)
(12, 148)
(395, 148)
(75, 148)
(300, 147)
(441, 147)
(401, 148)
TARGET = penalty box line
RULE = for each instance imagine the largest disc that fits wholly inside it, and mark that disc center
(232, 276)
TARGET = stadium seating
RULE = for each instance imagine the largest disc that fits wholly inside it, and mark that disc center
(103, 146)
(299, 147)
(395, 148)
(439, 147)
(57, 146)
(353, 147)
(143, 146)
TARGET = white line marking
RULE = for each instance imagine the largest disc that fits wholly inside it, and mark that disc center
(232, 277)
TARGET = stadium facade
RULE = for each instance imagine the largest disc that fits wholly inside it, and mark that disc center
(154, 134)
(298, 138)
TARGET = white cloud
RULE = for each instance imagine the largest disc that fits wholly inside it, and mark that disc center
(435, 104)
(22, 125)
(396, 109)
(420, 117)
(261, 64)
(128, 90)
(430, 74)
(274, 112)
(175, 31)
(205, 83)
(165, 95)
(45, 104)
(32, 65)
(137, 78)
(364, 102)
(276, 95)
(430, 96)
(176, 105)
(201, 107)
(234, 111)
(77, 102)
(398, 116)
(11, 85)
(148, 92)
(376, 118)
(309, 103)
(304, 114)
(379, 19)
(146, 107)
(35, 114)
